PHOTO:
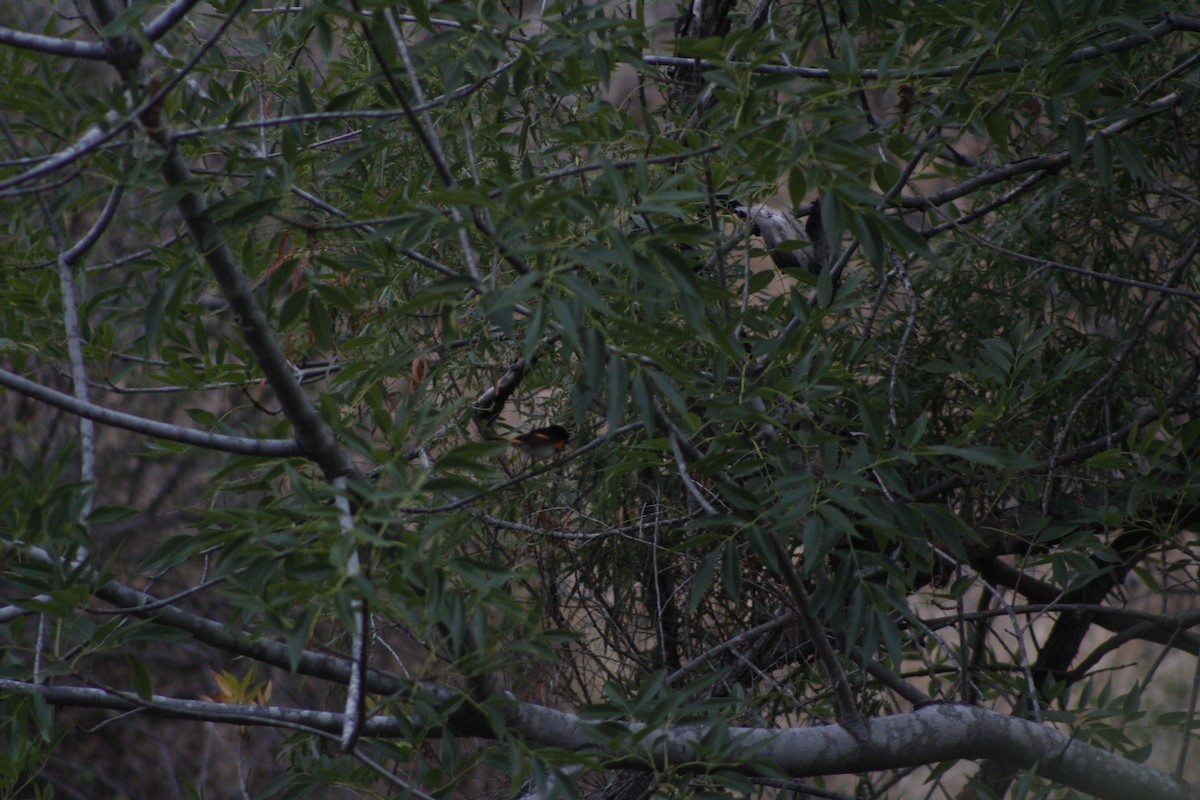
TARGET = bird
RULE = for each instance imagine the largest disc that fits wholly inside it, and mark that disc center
(542, 443)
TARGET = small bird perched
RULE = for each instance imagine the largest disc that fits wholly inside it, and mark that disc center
(542, 442)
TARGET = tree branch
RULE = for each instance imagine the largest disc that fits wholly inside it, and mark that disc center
(848, 714)
(271, 448)
(916, 738)
(173, 14)
(1169, 24)
(54, 46)
(312, 432)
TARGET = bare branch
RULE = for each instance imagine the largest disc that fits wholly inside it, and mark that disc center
(51, 45)
(930, 734)
(274, 448)
(91, 139)
(359, 642)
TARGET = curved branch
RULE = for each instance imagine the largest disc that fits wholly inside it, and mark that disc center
(1166, 633)
(76, 251)
(916, 738)
(91, 139)
(276, 448)
(52, 45)
(1169, 24)
(924, 736)
(1048, 162)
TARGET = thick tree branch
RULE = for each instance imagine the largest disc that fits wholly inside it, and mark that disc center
(312, 432)
(917, 738)
(54, 46)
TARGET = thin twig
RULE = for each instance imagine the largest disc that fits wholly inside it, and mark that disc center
(848, 714)
(355, 707)
(1118, 361)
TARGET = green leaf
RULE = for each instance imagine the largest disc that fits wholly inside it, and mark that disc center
(643, 400)
(987, 456)
(126, 20)
(916, 431)
(140, 676)
(535, 327)
(870, 237)
(1076, 139)
(1102, 157)
(761, 543)
(731, 575)
(702, 579)
(43, 717)
(172, 552)
(616, 392)
(1129, 153)
(297, 639)
(587, 386)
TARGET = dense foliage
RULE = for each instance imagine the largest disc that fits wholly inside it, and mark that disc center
(874, 326)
